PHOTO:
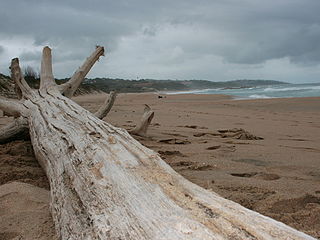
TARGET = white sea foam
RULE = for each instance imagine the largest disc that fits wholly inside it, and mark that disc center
(191, 91)
(259, 96)
(303, 88)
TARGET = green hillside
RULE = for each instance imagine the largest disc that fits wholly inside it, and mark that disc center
(143, 85)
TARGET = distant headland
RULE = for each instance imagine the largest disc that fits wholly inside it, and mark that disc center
(145, 85)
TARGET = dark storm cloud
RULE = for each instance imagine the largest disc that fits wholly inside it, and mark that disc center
(253, 31)
(147, 35)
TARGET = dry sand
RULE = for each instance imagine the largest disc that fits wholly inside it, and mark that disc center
(278, 176)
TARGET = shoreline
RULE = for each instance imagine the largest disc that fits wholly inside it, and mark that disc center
(233, 97)
(259, 92)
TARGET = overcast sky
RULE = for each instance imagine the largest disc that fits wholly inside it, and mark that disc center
(216, 40)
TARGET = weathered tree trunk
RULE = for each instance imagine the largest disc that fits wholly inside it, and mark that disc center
(19, 128)
(142, 127)
(106, 185)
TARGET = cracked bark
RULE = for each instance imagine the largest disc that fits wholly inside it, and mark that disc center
(106, 185)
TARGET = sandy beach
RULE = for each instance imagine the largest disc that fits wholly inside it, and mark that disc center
(263, 154)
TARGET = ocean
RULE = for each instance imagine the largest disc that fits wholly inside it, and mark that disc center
(263, 92)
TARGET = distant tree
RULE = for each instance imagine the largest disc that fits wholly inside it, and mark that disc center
(32, 77)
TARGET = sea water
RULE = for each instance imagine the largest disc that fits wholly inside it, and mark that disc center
(261, 92)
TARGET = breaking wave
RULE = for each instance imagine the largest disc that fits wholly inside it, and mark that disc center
(263, 92)
(301, 88)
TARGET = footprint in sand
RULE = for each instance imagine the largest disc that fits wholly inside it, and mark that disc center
(238, 133)
(246, 175)
(199, 134)
(193, 166)
(213, 147)
(181, 164)
(174, 141)
(263, 176)
(171, 153)
(190, 126)
(193, 127)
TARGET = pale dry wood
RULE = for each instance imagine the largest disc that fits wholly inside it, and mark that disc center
(142, 127)
(46, 75)
(12, 107)
(69, 88)
(21, 86)
(106, 106)
(106, 185)
(16, 130)
(19, 128)
(18, 91)
(46, 81)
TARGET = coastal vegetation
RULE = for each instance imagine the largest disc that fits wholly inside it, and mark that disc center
(142, 85)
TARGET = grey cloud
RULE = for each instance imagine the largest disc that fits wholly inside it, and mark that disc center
(162, 33)
(30, 56)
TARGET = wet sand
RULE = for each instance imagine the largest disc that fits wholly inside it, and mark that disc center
(263, 154)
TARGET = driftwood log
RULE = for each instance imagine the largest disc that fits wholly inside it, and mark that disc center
(18, 129)
(106, 185)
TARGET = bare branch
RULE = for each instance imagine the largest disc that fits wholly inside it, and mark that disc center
(106, 106)
(69, 88)
(46, 75)
(21, 86)
(142, 127)
(13, 107)
(16, 130)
